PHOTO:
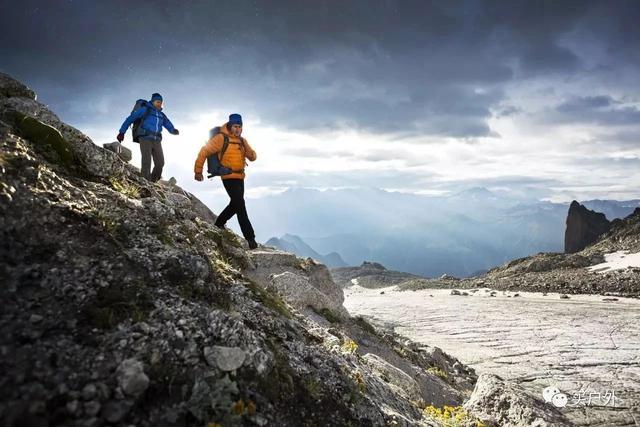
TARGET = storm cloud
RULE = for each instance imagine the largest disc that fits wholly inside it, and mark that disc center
(434, 68)
(424, 72)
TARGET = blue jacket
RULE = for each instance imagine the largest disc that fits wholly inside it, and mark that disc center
(153, 123)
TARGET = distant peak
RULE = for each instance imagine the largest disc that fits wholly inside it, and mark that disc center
(375, 265)
(476, 191)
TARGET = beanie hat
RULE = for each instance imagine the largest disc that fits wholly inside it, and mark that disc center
(156, 97)
(235, 119)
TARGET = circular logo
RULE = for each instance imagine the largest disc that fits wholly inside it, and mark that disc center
(553, 395)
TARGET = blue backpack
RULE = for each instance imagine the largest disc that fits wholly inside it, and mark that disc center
(136, 126)
(214, 167)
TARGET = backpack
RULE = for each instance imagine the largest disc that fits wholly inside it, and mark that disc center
(136, 126)
(214, 165)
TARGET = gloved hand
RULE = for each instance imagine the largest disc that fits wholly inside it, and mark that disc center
(120, 137)
(175, 132)
(199, 177)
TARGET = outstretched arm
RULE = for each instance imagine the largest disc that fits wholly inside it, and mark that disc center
(167, 124)
(137, 114)
(212, 146)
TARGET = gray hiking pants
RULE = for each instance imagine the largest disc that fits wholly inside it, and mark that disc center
(149, 149)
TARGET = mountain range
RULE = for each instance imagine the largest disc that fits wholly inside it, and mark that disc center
(462, 234)
(296, 245)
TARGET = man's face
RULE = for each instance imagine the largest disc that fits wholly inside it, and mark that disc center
(236, 130)
(157, 103)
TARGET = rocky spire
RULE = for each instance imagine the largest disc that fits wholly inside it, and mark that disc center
(584, 227)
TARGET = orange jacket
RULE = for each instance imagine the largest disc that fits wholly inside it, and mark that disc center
(234, 157)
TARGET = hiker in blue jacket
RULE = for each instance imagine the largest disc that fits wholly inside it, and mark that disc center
(149, 134)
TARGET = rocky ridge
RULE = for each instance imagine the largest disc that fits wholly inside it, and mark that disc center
(565, 273)
(371, 275)
(125, 305)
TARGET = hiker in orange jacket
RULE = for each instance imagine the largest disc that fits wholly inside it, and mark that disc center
(234, 158)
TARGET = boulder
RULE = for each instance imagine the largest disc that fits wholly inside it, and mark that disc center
(584, 227)
(225, 358)
(301, 292)
(301, 282)
(506, 404)
(10, 87)
(123, 152)
(131, 377)
(17, 101)
(397, 378)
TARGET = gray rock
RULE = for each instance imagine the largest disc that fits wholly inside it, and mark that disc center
(35, 318)
(225, 358)
(115, 411)
(507, 405)
(302, 283)
(89, 391)
(123, 152)
(131, 377)
(92, 408)
(10, 87)
(401, 381)
(584, 227)
(73, 407)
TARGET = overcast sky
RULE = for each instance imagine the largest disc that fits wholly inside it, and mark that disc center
(536, 98)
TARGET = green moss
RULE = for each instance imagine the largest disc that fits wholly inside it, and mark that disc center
(117, 303)
(106, 221)
(268, 299)
(46, 136)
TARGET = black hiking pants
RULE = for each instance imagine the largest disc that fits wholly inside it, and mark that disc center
(235, 190)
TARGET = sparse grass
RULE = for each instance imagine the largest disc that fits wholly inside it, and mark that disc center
(451, 416)
(117, 303)
(211, 293)
(359, 380)
(314, 388)
(108, 222)
(269, 299)
(438, 372)
(349, 346)
(121, 185)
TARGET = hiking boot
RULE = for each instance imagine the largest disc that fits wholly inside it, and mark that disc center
(252, 243)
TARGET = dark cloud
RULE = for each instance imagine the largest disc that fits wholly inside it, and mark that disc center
(600, 109)
(411, 67)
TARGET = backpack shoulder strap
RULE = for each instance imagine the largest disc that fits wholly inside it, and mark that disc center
(225, 145)
(147, 111)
